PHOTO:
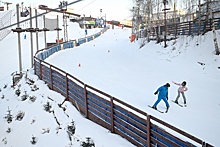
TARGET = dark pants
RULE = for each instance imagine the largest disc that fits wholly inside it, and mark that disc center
(178, 96)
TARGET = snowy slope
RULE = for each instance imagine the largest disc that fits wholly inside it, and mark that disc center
(49, 128)
(114, 65)
(36, 121)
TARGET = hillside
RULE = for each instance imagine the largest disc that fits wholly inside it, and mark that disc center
(114, 65)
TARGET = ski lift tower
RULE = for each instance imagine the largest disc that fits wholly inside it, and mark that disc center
(63, 8)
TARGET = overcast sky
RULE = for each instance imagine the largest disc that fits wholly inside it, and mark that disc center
(113, 9)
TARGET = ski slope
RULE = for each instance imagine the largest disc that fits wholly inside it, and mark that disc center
(114, 65)
(118, 67)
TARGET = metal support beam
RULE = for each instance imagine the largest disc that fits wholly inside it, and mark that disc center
(31, 37)
(19, 39)
(37, 43)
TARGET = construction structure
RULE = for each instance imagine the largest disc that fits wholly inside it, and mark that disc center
(62, 9)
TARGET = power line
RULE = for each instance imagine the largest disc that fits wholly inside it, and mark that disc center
(86, 6)
(37, 15)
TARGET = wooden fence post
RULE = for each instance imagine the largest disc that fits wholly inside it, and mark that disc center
(67, 85)
(51, 79)
(203, 144)
(40, 70)
(148, 130)
(35, 65)
(112, 115)
(189, 29)
(86, 101)
(176, 33)
(210, 24)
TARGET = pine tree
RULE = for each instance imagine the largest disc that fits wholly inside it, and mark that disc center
(18, 92)
(34, 140)
(19, 116)
(71, 128)
(47, 107)
(8, 116)
(25, 96)
(88, 143)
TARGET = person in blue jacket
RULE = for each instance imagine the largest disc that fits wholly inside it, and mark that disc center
(163, 95)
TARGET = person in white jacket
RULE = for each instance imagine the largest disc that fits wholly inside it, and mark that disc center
(181, 90)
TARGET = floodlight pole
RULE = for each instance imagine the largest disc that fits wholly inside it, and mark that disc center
(165, 23)
(19, 39)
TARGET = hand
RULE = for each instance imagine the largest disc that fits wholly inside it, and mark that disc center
(155, 93)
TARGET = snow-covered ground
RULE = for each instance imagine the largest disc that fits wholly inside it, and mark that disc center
(118, 67)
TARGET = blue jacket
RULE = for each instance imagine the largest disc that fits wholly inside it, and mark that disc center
(163, 92)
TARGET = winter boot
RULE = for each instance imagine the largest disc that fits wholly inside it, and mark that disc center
(176, 102)
(154, 107)
(167, 110)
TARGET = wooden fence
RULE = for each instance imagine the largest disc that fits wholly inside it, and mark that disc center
(182, 28)
(136, 126)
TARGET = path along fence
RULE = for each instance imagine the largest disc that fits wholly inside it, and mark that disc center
(121, 118)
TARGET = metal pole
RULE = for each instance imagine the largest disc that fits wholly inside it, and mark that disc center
(199, 16)
(100, 13)
(36, 32)
(105, 19)
(132, 25)
(31, 34)
(19, 40)
(45, 39)
(165, 25)
(58, 42)
(84, 26)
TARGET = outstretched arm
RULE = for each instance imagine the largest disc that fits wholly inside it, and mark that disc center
(176, 83)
